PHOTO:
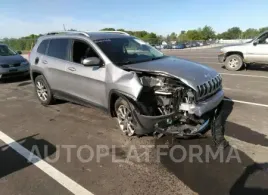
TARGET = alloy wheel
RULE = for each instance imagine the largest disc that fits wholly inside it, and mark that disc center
(41, 91)
(125, 120)
(233, 63)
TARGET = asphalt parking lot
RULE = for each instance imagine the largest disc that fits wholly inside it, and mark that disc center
(63, 134)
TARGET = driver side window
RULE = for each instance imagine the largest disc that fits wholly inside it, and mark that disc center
(263, 39)
(82, 50)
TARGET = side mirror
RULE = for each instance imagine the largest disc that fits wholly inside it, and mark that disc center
(92, 61)
(19, 52)
(256, 42)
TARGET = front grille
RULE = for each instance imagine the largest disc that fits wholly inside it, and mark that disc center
(16, 65)
(209, 87)
(14, 74)
(10, 65)
(5, 66)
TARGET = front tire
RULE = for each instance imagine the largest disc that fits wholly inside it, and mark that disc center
(124, 117)
(43, 90)
(234, 62)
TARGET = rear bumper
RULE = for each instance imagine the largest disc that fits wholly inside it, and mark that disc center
(221, 58)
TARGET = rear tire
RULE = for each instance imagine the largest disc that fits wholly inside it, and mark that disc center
(43, 91)
(234, 62)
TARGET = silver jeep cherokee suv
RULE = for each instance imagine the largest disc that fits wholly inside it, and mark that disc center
(145, 90)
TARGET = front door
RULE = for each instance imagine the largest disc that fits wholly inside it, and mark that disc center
(258, 52)
(85, 82)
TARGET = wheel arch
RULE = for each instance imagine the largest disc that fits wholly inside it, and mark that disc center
(113, 96)
(35, 73)
(234, 53)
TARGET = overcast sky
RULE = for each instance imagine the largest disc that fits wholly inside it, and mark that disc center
(163, 17)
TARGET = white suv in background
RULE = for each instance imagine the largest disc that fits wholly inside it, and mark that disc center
(253, 52)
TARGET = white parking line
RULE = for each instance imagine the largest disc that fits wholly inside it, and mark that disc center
(196, 57)
(62, 179)
(244, 102)
(243, 75)
(217, 63)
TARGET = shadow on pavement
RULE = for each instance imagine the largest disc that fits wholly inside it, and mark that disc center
(240, 132)
(233, 173)
(11, 161)
(24, 83)
(254, 67)
(257, 67)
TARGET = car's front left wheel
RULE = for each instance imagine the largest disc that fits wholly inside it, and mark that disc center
(234, 62)
(124, 116)
(43, 90)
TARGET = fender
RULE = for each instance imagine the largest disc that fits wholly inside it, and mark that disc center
(118, 93)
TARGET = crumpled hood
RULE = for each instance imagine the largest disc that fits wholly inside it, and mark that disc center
(191, 73)
(11, 59)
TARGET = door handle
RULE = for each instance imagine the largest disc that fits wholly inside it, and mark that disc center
(36, 60)
(44, 62)
(71, 69)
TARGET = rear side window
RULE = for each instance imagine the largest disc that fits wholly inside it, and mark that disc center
(43, 47)
(58, 48)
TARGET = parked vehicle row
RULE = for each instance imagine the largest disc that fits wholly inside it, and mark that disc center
(183, 45)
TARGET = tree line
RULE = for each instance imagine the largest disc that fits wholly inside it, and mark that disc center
(21, 44)
(205, 33)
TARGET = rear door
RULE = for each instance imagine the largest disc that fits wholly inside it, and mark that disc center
(39, 53)
(55, 62)
(86, 83)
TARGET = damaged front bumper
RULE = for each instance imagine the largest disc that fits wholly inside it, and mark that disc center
(202, 107)
(147, 124)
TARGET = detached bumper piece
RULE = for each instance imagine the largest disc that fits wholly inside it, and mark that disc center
(218, 128)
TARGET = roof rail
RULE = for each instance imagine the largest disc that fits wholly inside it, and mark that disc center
(85, 32)
(120, 32)
(69, 32)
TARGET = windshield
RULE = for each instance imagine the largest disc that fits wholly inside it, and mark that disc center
(5, 51)
(128, 50)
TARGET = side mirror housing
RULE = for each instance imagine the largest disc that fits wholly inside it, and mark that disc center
(19, 52)
(255, 42)
(92, 61)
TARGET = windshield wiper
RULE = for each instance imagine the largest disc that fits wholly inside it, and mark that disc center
(124, 63)
(157, 58)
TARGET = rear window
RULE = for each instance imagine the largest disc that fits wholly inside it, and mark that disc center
(58, 48)
(43, 47)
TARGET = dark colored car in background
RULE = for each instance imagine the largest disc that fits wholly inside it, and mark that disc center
(180, 46)
(12, 64)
